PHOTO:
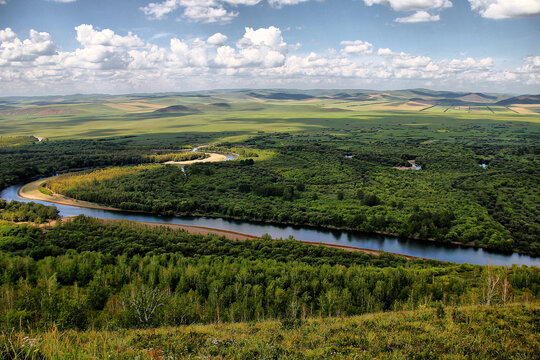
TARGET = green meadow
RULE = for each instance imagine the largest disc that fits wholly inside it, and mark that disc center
(236, 113)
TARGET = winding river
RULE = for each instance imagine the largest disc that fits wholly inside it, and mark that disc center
(417, 248)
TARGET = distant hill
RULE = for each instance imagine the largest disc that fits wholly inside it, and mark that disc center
(281, 96)
(175, 109)
(223, 98)
(222, 105)
(468, 96)
(524, 99)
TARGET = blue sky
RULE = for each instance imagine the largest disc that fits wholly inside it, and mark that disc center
(57, 47)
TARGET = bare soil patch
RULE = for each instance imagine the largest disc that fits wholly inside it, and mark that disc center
(522, 110)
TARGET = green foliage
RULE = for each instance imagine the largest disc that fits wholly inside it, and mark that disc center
(43, 189)
(90, 274)
(310, 181)
(33, 212)
(178, 156)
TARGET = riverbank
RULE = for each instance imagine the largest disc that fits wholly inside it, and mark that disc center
(233, 235)
(213, 157)
(31, 192)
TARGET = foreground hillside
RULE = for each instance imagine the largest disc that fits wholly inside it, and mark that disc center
(507, 332)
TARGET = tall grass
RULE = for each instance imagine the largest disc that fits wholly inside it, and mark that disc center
(481, 332)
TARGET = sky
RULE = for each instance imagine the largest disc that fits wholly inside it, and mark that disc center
(55, 47)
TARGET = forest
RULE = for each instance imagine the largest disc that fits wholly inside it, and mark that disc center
(31, 212)
(345, 182)
(86, 273)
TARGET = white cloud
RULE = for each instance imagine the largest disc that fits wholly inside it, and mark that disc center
(217, 39)
(262, 47)
(109, 62)
(242, 2)
(12, 49)
(419, 16)
(194, 54)
(159, 10)
(102, 49)
(280, 3)
(357, 47)
(87, 36)
(207, 12)
(385, 52)
(530, 70)
(3, 2)
(63, 1)
(504, 9)
(7, 35)
(410, 5)
(270, 37)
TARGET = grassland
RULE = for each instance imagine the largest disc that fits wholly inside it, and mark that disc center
(241, 116)
(507, 332)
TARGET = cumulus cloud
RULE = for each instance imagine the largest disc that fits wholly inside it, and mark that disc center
(530, 71)
(262, 47)
(12, 49)
(106, 61)
(3, 2)
(385, 52)
(7, 35)
(159, 10)
(357, 47)
(207, 12)
(410, 5)
(216, 39)
(419, 16)
(88, 36)
(504, 9)
(102, 49)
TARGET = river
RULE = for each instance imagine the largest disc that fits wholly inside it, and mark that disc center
(418, 248)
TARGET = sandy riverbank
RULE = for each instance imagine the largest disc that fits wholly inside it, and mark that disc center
(232, 235)
(31, 192)
(212, 158)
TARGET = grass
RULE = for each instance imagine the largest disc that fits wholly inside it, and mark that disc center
(244, 116)
(42, 189)
(503, 332)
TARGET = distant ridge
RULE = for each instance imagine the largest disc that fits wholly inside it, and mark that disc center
(523, 99)
(281, 96)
